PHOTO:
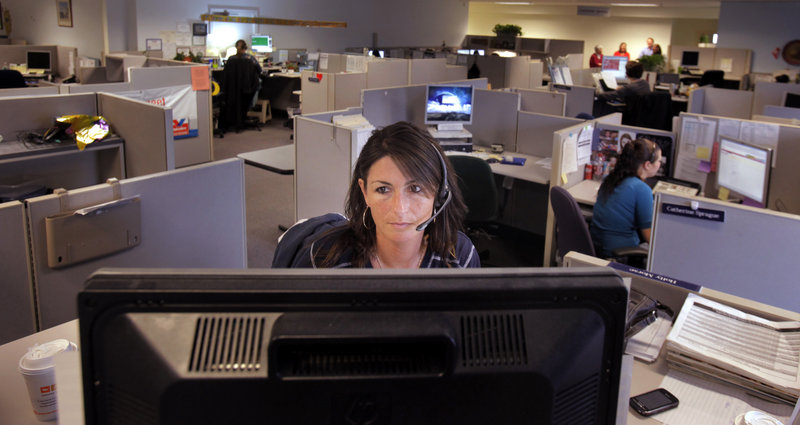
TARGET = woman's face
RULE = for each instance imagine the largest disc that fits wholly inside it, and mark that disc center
(623, 47)
(651, 168)
(398, 203)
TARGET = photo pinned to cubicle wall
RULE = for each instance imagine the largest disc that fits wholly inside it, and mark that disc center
(665, 143)
(608, 141)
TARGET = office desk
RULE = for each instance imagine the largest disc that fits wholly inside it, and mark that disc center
(278, 88)
(278, 159)
(61, 165)
(531, 171)
(585, 192)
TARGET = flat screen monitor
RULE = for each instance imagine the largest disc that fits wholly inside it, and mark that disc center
(39, 60)
(791, 100)
(261, 43)
(614, 65)
(478, 346)
(381, 53)
(448, 104)
(744, 168)
(690, 59)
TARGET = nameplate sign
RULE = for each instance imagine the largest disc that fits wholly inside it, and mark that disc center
(654, 276)
(698, 213)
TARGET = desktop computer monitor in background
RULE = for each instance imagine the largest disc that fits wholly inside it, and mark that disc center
(615, 65)
(261, 43)
(791, 100)
(448, 106)
(39, 60)
(476, 346)
(690, 59)
(744, 168)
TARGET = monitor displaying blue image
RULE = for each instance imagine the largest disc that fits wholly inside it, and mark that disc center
(447, 104)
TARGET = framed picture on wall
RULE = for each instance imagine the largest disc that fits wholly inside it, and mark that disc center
(64, 11)
(1, 20)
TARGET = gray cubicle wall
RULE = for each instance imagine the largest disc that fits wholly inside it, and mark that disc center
(422, 71)
(17, 317)
(752, 253)
(542, 101)
(30, 91)
(37, 113)
(535, 132)
(494, 118)
(580, 99)
(721, 102)
(62, 65)
(387, 73)
(96, 88)
(147, 130)
(192, 217)
(768, 93)
(783, 194)
(193, 150)
(782, 112)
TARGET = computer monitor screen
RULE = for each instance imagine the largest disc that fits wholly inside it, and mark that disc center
(448, 104)
(261, 43)
(690, 59)
(791, 100)
(744, 168)
(478, 346)
(615, 65)
(39, 60)
(381, 53)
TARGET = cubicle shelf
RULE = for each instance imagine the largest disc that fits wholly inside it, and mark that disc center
(61, 165)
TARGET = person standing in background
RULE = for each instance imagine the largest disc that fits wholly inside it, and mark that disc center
(623, 50)
(648, 50)
(596, 61)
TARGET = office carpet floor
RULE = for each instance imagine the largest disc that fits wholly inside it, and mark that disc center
(269, 202)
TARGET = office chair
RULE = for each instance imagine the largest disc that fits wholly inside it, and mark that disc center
(477, 186)
(301, 234)
(651, 110)
(572, 232)
(11, 79)
(713, 77)
(240, 82)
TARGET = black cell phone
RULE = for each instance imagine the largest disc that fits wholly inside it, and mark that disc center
(653, 402)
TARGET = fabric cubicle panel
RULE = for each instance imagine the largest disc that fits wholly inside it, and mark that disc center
(494, 118)
(147, 130)
(192, 217)
(99, 87)
(782, 112)
(455, 72)
(387, 73)
(317, 95)
(518, 72)
(36, 113)
(423, 71)
(535, 132)
(580, 99)
(697, 98)
(30, 91)
(768, 93)
(389, 105)
(347, 90)
(542, 101)
(192, 150)
(727, 103)
(17, 317)
(751, 253)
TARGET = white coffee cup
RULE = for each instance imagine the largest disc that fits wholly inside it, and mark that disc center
(36, 366)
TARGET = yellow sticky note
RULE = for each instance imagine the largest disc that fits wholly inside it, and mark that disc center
(703, 152)
(723, 193)
(563, 178)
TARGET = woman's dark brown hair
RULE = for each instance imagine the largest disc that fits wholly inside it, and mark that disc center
(417, 155)
(633, 155)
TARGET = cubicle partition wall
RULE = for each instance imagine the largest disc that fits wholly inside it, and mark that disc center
(332, 62)
(42, 90)
(63, 60)
(704, 130)
(494, 118)
(423, 71)
(580, 99)
(37, 113)
(17, 317)
(389, 73)
(741, 250)
(331, 92)
(735, 62)
(147, 130)
(542, 101)
(721, 102)
(768, 93)
(523, 73)
(188, 151)
(96, 88)
(535, 132)
(781, 112)
(193, 217)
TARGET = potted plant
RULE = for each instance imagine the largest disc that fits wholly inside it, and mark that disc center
(507, 35)
(652, 63)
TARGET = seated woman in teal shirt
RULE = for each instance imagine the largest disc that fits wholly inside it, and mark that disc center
(624, 209)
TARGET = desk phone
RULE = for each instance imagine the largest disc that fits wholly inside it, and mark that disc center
(669, 187)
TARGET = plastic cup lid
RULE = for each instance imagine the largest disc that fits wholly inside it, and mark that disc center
(756, 418)
(40, 356)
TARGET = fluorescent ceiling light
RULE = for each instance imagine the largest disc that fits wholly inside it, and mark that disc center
(636, 4)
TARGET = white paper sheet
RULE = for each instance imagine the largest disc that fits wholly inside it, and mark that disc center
(698, 135)
(584, 146)
(569, 155)
(761, 133)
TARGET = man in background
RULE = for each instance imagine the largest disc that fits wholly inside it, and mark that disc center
(648, 50)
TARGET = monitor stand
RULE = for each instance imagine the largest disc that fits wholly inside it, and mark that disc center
(452, 137)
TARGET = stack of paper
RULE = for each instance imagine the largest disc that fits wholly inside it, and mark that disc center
(720, 342)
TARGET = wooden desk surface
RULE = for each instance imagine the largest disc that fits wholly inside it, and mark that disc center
(585, 192)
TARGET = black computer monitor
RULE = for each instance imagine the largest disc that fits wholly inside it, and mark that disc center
(477, 346)
(791, 100)
(39, 60)
(744, 168)
(690, 59)
(448, 105)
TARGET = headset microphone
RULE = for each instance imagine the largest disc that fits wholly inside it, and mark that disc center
(443, 197)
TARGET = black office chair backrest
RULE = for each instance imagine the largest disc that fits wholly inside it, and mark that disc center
(476, 181)
(301, 234)
(713, 77)
(11, 79)
(651, 110)
(572, 232)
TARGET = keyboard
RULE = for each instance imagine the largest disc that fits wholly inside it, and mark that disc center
(663, 186)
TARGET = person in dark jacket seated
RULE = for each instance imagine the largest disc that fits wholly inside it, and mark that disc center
(622, 215)
(636, 85)
(403, 209)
